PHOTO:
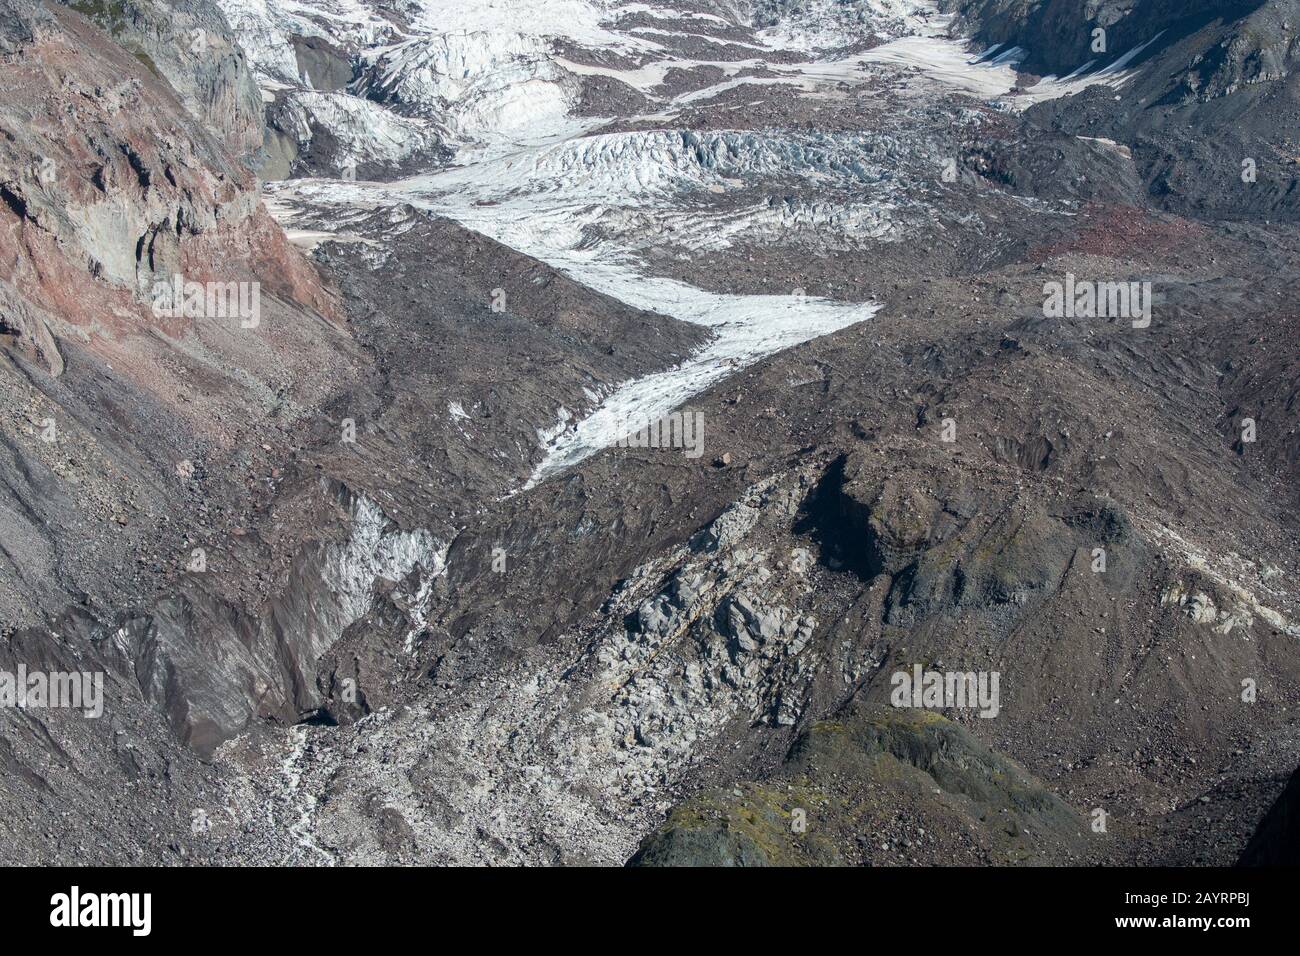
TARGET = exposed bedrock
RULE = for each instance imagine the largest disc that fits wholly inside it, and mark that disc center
(189, 45)
(214, 667)
(1058, 34)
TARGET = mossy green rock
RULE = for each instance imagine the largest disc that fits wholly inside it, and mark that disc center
(875, 786)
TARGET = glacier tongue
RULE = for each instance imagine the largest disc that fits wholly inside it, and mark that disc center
(748, 327)
(504, 84)
(364, 132)
(543, 199)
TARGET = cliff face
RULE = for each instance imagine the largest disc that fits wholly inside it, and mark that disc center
(1058, 35)
(190, 45)
(1210, 110)
(111, 190)
(128, 432)
(133, 424)
(110, 186)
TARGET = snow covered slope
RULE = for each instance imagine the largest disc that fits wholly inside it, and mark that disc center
(491, 71)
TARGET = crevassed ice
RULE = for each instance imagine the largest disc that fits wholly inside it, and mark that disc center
(541, 201)
(616, 164)
(655, 166)
(538, 184)
(811, 25)
(365, 131)
(480, 84)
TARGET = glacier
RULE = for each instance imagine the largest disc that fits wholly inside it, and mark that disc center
(529, 172)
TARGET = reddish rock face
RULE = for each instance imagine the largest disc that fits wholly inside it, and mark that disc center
(109, 191)
(110, 188)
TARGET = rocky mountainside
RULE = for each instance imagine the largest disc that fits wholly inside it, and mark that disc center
(1275, 843)
(169, 514)
(1059, 36)
(388, 568)
(875, 788)
(1211, 114)
(189, 45)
